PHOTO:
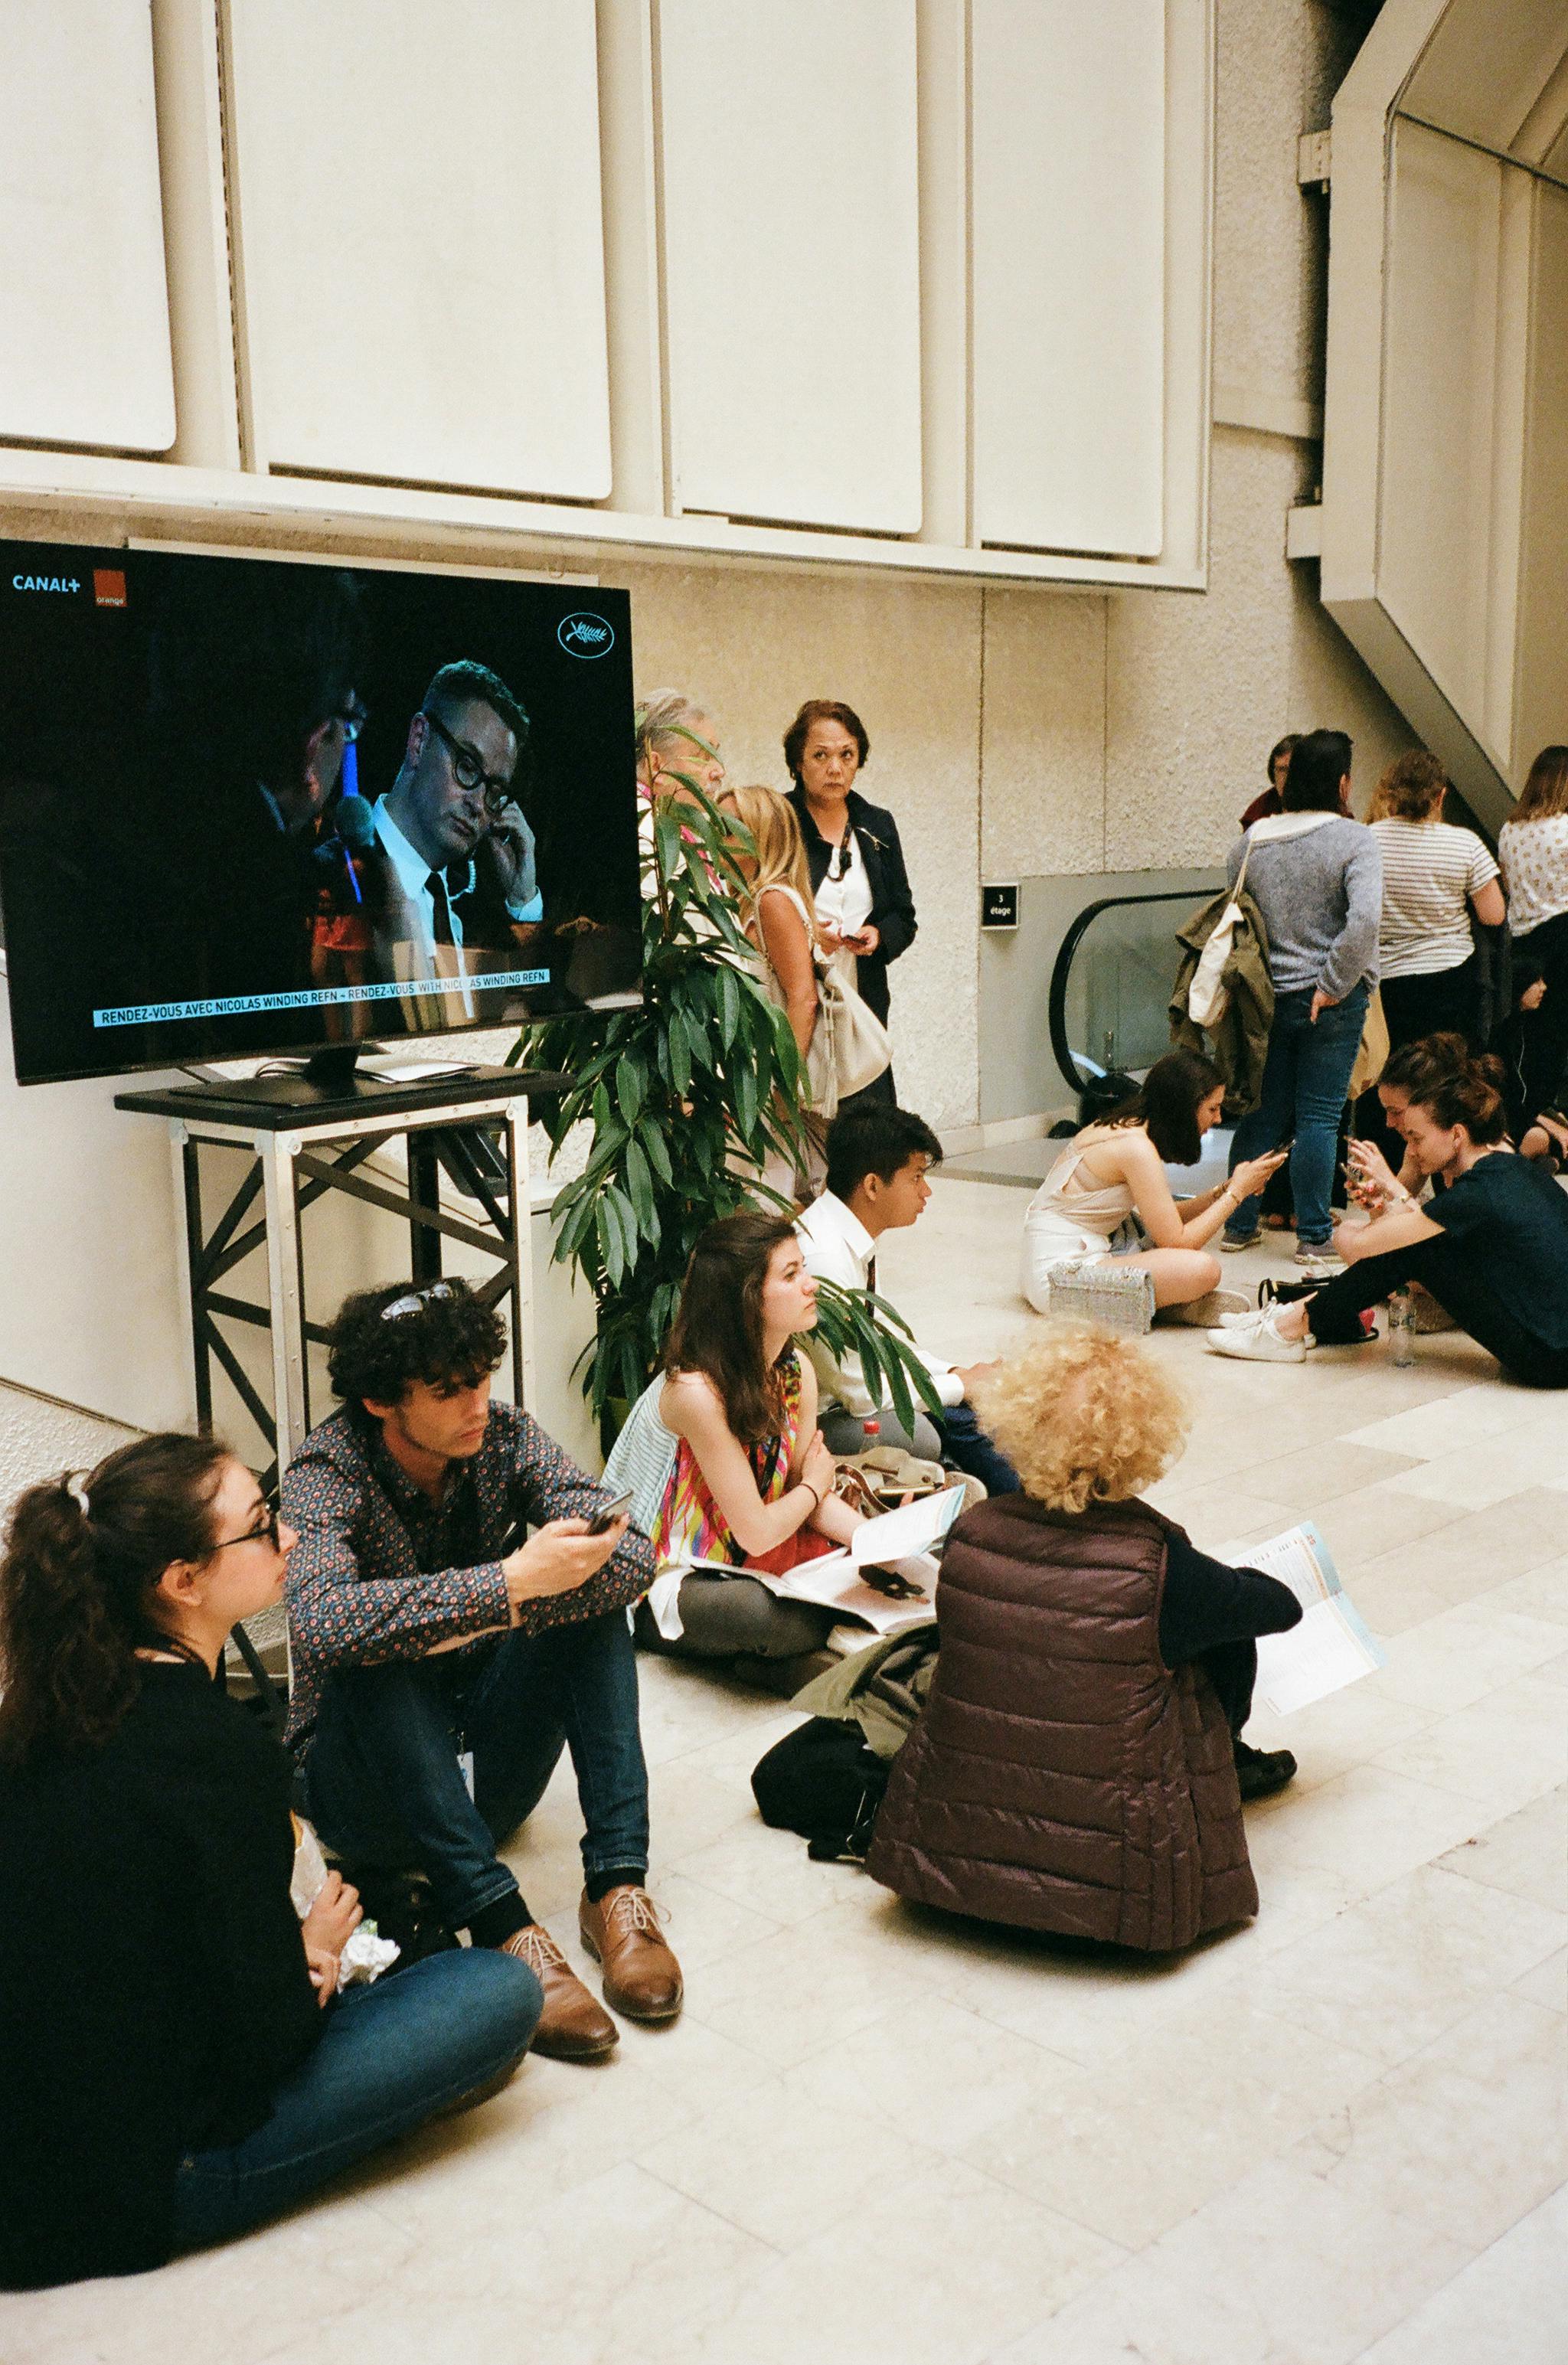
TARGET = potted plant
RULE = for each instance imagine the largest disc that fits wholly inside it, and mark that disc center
(687, 1095)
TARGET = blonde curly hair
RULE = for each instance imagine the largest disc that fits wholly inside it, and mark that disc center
(1084, 1416)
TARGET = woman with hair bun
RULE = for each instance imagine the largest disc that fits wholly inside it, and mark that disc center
(1079, 1766)
(176, 2060)
(1532, 846)
(1434, 876)
(1491, 1246)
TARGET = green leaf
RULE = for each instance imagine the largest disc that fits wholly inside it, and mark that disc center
(652, 1139)
(631, 1086)
(640, 1188)
(680, 1054)
(729, 1004)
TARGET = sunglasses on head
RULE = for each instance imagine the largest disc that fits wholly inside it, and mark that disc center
(415, 1299)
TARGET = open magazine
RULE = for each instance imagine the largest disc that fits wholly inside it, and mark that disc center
(884, 1578)
(1331, 1647)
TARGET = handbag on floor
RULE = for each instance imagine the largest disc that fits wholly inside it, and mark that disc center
(1089, 1289)
(821, 1781)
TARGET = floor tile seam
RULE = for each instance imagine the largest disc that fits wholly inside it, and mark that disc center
(942, 1995)
(754, 2267)
(1451, 1789)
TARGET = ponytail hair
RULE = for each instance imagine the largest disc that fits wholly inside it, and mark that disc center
(83, 1555)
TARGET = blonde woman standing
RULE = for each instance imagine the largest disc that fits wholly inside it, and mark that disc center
(776, 913)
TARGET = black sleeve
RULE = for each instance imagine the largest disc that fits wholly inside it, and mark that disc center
(895, 919)
(1208, 1602)
(263, 2016)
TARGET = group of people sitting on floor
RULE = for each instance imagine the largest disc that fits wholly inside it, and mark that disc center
(191, 2035)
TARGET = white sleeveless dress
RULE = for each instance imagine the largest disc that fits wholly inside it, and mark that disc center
(1061, 1225)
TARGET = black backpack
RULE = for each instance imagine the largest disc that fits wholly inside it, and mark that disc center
(821, 1781)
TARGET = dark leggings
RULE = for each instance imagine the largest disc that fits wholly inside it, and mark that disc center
(1442, 1268)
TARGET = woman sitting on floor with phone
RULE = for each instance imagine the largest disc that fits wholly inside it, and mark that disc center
(722, 1456)
(1116, 1167)
(177, 2063)
(1491, 1246)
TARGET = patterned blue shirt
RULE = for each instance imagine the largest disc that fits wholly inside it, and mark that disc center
(383, 1572)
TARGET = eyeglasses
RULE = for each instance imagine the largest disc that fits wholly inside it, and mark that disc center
(469, 772)
(269, 1528)
(415, 1300)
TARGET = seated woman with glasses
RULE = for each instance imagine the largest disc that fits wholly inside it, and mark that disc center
(723, 1460)
(177, 2061)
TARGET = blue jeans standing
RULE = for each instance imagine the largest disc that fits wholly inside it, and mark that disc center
(1306, 1076)
(388, 2056)
(382, 1781)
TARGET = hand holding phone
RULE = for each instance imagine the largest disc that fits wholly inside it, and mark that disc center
(609, 1513)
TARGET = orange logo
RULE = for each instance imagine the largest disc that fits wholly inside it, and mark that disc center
(108, 587)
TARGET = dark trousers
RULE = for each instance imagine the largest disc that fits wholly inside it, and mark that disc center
(1535, 1042)
(383, 1784)
(1305, 1077)
(1232, 1669)
(1441, 1267)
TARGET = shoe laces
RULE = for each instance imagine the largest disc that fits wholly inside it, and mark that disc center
(536, 1947)
(637, 1914)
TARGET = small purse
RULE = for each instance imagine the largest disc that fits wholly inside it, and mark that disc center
(1089, 1289)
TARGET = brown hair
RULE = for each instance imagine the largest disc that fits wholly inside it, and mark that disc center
(1415, 1068)
(718, 1326)
(823, 710)
(1412, 788)
(1468, 1096)
(76, 1587)
(1545, 793)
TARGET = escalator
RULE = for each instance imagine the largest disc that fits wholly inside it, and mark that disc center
(1109, 1010)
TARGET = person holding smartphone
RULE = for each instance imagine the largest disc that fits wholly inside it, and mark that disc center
(444, 1655)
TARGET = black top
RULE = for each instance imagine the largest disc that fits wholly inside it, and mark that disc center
(153, 1986)
(1208, 1602)
(893, 905)
(1511, 1219)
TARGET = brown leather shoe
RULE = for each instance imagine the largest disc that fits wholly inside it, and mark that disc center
(642, 1978)
(572, 2027)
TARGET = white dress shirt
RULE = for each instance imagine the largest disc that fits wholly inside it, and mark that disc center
(413, 876)
(837, 1246)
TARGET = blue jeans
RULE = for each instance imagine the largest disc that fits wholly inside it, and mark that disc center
(382, 1782)
(965, 1442)
(1306, 1076)
(388, 2056)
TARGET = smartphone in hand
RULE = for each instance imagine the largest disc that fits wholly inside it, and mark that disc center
(607, 1515)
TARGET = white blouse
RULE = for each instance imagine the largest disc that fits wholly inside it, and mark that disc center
(844, 903)
(1534, 856)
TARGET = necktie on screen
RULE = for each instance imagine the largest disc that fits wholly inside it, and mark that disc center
(441, 918)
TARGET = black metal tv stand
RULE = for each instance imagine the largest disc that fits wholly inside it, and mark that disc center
(305, 1139)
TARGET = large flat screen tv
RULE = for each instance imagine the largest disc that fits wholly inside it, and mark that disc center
(254, 805)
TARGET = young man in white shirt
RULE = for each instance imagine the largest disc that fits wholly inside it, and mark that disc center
(878, 1159)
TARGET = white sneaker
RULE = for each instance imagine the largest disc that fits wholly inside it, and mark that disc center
(1239, 1321)
(1256, 1339)
(1203, 1313)
(1322, 1263)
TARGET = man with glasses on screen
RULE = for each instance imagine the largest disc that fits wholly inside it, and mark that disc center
(441, 1661)
(459, 872)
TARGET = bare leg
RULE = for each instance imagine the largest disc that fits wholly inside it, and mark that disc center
(1180, 1274)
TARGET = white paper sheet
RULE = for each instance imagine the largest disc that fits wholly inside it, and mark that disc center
(1331, 1647)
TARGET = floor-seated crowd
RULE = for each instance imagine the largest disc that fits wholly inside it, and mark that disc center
(189, 2042)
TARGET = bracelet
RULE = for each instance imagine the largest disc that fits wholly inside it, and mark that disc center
(816, 1498)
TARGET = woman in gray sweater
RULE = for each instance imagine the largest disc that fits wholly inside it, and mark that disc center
(1317, 877)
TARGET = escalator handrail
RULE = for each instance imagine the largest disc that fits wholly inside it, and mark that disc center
(1066, 1057)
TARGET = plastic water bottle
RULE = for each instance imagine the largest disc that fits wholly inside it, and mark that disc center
(871, 1434)
(1402, 1329)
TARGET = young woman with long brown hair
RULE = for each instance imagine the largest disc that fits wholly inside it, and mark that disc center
(177, 2063)
(722, 1453)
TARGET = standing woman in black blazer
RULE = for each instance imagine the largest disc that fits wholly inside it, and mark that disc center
(865, 910)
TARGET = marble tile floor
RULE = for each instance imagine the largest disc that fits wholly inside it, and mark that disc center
(880, 2135)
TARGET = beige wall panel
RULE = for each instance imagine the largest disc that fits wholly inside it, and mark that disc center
(791, 259)
(1068, 244)
(1541, 695)
(1440, 362)
(906, 656)
(423, 269)
(1043, 749)
(1199, 688)
(85, 354)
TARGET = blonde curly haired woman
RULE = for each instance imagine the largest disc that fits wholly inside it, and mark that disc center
(1079, 1767)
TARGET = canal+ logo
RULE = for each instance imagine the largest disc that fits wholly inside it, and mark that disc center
(585, 636)
(45, 583)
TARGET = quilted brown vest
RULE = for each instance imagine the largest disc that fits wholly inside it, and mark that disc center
(1062, 1777)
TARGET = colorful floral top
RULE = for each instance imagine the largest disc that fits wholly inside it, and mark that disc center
(671, 1502)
